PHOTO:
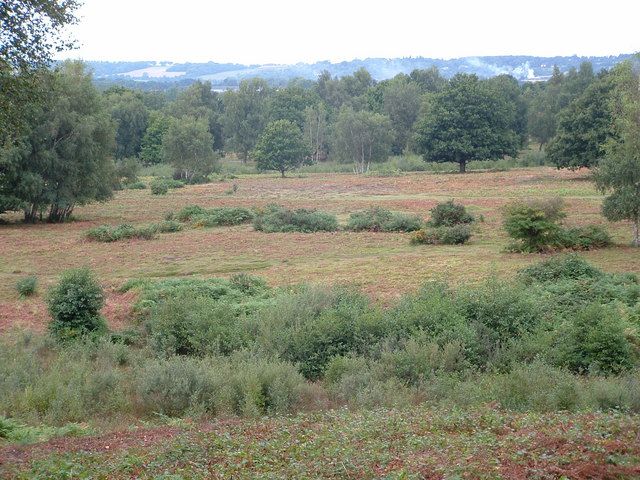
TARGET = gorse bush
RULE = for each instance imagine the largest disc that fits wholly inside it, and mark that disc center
(275, 218)
(454, 235)
(448, 214)
(75, 304)
(214, 217)
(159, 187)
(563, 267)
(377, 219)
(449, 225)
(27, 286)
(536, 227)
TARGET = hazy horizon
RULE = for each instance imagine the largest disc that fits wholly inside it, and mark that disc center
(289, 32)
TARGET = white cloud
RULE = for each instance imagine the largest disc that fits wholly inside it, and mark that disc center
(289, 31)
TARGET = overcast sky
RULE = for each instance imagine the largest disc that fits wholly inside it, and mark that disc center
(289, 31)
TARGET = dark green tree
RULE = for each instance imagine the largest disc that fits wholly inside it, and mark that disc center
(151, 145)
(131, 118)
(63, 158)
(281, 147)
(187, 145)
(618, 173)
(467, 121)
(200, 101)
(31, 31)
(361, 137)
(583, 127)
(245, 115)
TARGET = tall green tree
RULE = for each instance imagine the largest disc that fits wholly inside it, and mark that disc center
(401, 103)
(187, 145)
(245, 115)
(289, 103)
(315, 131)
(618, 173)
(31, 31)
(151, 144)
(200, 101)
(361, 137)
(131, 118)
(64, 157)
(281, 147)
(467, 121)
(583, 127)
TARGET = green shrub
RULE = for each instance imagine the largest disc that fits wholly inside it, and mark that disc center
(537, 387)
(222, 216)
(562, 267)
(75, 304)
(27, 286)
(448, 214)
(186, 325)
(585, 238)
(535, 224)
(107, 233)
(159, 187)
(595, 340)
(454, 235)
(377, 219)
(136, 186)
(279, 219)
(174, 183)
(188, 212)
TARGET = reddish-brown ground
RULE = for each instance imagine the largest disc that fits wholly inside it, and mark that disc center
(384, 265)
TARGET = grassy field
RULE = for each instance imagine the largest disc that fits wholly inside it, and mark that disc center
(385, 265)
(395, 444)
(417, 439)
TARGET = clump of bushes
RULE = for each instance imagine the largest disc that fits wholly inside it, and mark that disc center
(167, 226)
(107, 233)
(377, 219)
(160, 186)
(571, 266)
(450, 224)
(536, 226)
(275, 218)
(214, 217)
(448, 214)
(136, 186)
(75, 304)
(27, 286)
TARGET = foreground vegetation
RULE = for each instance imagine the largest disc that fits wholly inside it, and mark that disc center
(399, 443)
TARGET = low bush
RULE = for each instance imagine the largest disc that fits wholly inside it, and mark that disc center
(595, 340)
(107, 233)
(159, 187)
(455, 235)
(136, 186)
(449, 214)
(75, 304)
(585, 238)
(27, 286)
(222, 216)
(377, 219)
(561, 267)
(275, 218)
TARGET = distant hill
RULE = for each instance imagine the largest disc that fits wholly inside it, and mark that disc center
(524, 68)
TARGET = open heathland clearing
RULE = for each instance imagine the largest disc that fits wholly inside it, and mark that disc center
(385, 265)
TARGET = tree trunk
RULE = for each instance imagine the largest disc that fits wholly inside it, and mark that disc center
(282, 172)
(636, 233)
(463, 166)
